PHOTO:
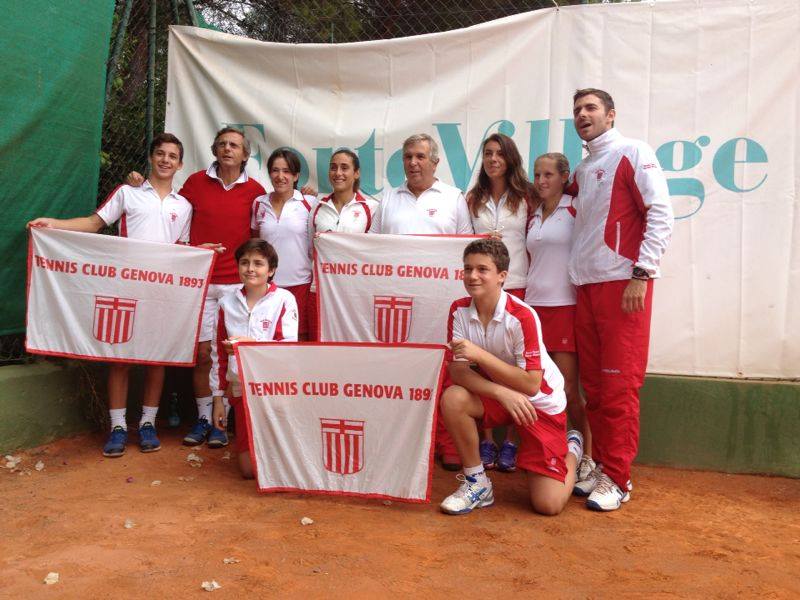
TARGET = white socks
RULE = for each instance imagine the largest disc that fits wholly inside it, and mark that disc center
(148, 415)
(204, 408)
(476, 473)
(575, 445)
(118, 418)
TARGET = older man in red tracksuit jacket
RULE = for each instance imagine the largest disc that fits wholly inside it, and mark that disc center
(623, 225)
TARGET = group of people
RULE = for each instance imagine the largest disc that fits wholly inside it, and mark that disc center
(560, 293)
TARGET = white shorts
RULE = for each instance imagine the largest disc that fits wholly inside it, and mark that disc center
(208, 328)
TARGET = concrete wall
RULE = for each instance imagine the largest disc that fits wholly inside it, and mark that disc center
(721, 425)
(39, 403)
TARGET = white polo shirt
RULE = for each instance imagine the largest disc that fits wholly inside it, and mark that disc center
(356, 215)
(212, 172)
(549, 245)
(514, 335)
(498, 217)
(288, 235)
(273, 318)
(143, 215)
(439, 209)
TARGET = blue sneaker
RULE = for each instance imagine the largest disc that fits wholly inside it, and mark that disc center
(488, 452)
(507, 460)
(198, 434)
(115, 446)
(217, 438)
(148, 441)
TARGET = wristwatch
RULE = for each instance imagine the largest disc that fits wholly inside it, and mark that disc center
(640, 273)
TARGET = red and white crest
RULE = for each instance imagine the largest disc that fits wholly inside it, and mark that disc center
(342, 445)
(392, 322)
(113, 319)
(356, 214)
(599, 174)
(431, 212)
(265, 323)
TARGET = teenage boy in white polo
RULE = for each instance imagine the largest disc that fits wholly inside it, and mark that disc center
(152, 212)
(499, 374)
(623, 224)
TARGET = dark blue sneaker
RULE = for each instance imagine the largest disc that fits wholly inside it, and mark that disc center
(115, 446)
(198, 434)
(148, 441)
(507, 460)
(488, 452)
(217, 438)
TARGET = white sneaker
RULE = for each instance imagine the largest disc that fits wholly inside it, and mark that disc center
(606, 495)
(585, 467)
(585, 486)
(470, 495)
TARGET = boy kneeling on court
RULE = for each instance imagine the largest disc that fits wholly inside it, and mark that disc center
(261, 312)
(500, 373)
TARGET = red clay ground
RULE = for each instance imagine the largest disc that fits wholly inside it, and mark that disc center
(684, 534)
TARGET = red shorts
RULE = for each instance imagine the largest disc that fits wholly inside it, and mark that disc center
(242, 439)
(517, 293)
(543, 445)
(558, 327)
(313, 318)
(301, 294)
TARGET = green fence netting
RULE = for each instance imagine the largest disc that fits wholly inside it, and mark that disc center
(53, 78)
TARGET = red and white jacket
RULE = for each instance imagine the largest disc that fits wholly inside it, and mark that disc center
(624, 214)
(356, 215)
(273, 319)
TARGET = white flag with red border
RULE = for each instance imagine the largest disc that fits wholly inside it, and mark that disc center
(387, 288)
(100, 297)
(352, 419)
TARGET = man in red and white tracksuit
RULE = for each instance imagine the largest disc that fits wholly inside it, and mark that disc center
(623, 225)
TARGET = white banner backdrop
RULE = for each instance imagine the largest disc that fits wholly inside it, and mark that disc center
(353, 419)
(101, 297)
(711, 84)
(387, 288)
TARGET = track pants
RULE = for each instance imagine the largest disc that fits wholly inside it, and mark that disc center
(612, 358)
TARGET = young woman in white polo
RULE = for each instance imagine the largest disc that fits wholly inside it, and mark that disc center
(499, 205)
(549, 290)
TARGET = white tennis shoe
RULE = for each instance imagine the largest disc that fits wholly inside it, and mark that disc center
(585, 467)
(584, 487)
(468, 496)
(607, 495)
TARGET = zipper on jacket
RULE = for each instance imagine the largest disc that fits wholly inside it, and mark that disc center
(616, 246)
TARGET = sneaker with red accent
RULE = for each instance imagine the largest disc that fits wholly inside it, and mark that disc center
(607, 495)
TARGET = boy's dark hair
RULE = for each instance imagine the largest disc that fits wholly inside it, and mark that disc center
(165, 138)
(605, 97)
(494, 248)
(259, 246)
(291, 158)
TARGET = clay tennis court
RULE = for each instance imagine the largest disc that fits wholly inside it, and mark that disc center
(684, 534)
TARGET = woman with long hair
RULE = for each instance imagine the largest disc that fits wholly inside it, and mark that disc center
(499, 204)
(281, 218)
(551, 293)
(345, 210)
